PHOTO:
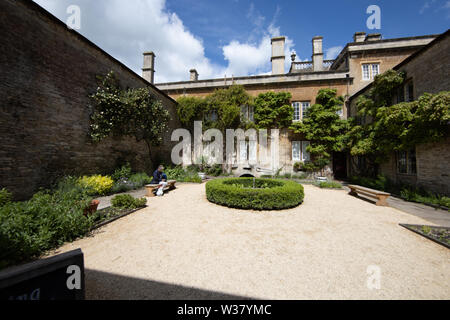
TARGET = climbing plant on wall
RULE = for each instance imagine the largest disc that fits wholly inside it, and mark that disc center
(221, 109)
(390, 127)
(127, 112)
(273, 110)
(323, 127)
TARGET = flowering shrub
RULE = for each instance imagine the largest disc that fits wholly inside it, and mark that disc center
(96, 184)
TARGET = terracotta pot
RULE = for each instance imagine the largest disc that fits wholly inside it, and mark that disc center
(92, 207)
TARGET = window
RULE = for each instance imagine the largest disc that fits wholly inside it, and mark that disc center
(370, 70)
(247, 113)
(300, 110)
(305, 106)
(251, 113)
(305, 154)
(406, 162)
(299, 152)
(296, 146)
(375, 70)
(211, 116)
(410, 92)
(400, 94)
(243, 154)
(296, 106)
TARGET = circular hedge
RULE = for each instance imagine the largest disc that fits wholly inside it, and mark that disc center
(250, 193)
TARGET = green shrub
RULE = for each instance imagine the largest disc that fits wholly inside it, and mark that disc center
(298, 166)
(139, 179)
(122, 172)
(183, 175)
(127, 201)
(96, 184)
(300, 176)
(249, 193)
(44, 222)
(122, 185)
(5, 197)
(329, 184)
(215, 170)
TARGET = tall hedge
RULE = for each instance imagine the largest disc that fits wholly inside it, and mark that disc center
(269, 194)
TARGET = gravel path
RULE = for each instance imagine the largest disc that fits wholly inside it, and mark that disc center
(181, 247)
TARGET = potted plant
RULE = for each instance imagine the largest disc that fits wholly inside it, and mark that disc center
(298, 166)
(91, 208)
(202, 168)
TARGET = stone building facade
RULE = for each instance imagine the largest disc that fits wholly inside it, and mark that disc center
(47, 73)
(428, 165)
(354, 68)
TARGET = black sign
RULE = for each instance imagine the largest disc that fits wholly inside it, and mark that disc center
(57, 278)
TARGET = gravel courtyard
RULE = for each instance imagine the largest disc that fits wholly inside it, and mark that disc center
(183, 247)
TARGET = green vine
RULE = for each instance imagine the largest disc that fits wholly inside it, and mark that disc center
(127, 112)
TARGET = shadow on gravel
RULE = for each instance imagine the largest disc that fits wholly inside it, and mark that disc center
(108, 286)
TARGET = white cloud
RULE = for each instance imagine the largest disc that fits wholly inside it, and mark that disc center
(332, 53)
(426, 6)
(125, 31)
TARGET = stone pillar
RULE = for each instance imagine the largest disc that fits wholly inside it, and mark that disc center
(194, 75)
(148, 70)
(277, 55)
(317, 56)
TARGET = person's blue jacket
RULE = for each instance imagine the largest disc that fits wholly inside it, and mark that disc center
(157, 177)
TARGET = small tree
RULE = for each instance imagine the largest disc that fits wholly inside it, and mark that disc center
(323, 127)
(130, 112)
(273, 110)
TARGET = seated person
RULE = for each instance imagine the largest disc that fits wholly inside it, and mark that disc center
(160, 178)
(159, 175)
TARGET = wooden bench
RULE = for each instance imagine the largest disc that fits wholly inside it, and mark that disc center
(151, 188)
(380, 195)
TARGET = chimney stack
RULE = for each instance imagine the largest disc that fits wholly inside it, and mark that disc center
(359, 37)
(317, 56)
(194, 75)
(148, 71)
(277, 58)
(373, 37)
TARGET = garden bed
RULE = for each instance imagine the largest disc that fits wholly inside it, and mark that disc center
(439, 235)
(109, 214)
(253, 193)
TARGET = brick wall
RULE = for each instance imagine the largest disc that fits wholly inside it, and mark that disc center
(428, 70)
(46, 75)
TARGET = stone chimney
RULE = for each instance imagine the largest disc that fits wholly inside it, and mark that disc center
(194, 75)
(148, 71)
(359, 37)
(317, 57)
(373, 37)
(277, 55)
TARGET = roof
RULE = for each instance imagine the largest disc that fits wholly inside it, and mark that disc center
(408, 59)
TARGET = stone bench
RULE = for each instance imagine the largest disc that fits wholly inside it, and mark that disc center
(151, 188)
(380, 195)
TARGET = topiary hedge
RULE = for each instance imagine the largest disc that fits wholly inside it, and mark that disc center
(259, 194)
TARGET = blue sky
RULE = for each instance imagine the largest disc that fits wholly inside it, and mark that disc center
(232, 37)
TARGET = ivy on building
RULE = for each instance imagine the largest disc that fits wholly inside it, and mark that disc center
(222, 109)
(384, 127)
(323, 128)
(119, 112)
